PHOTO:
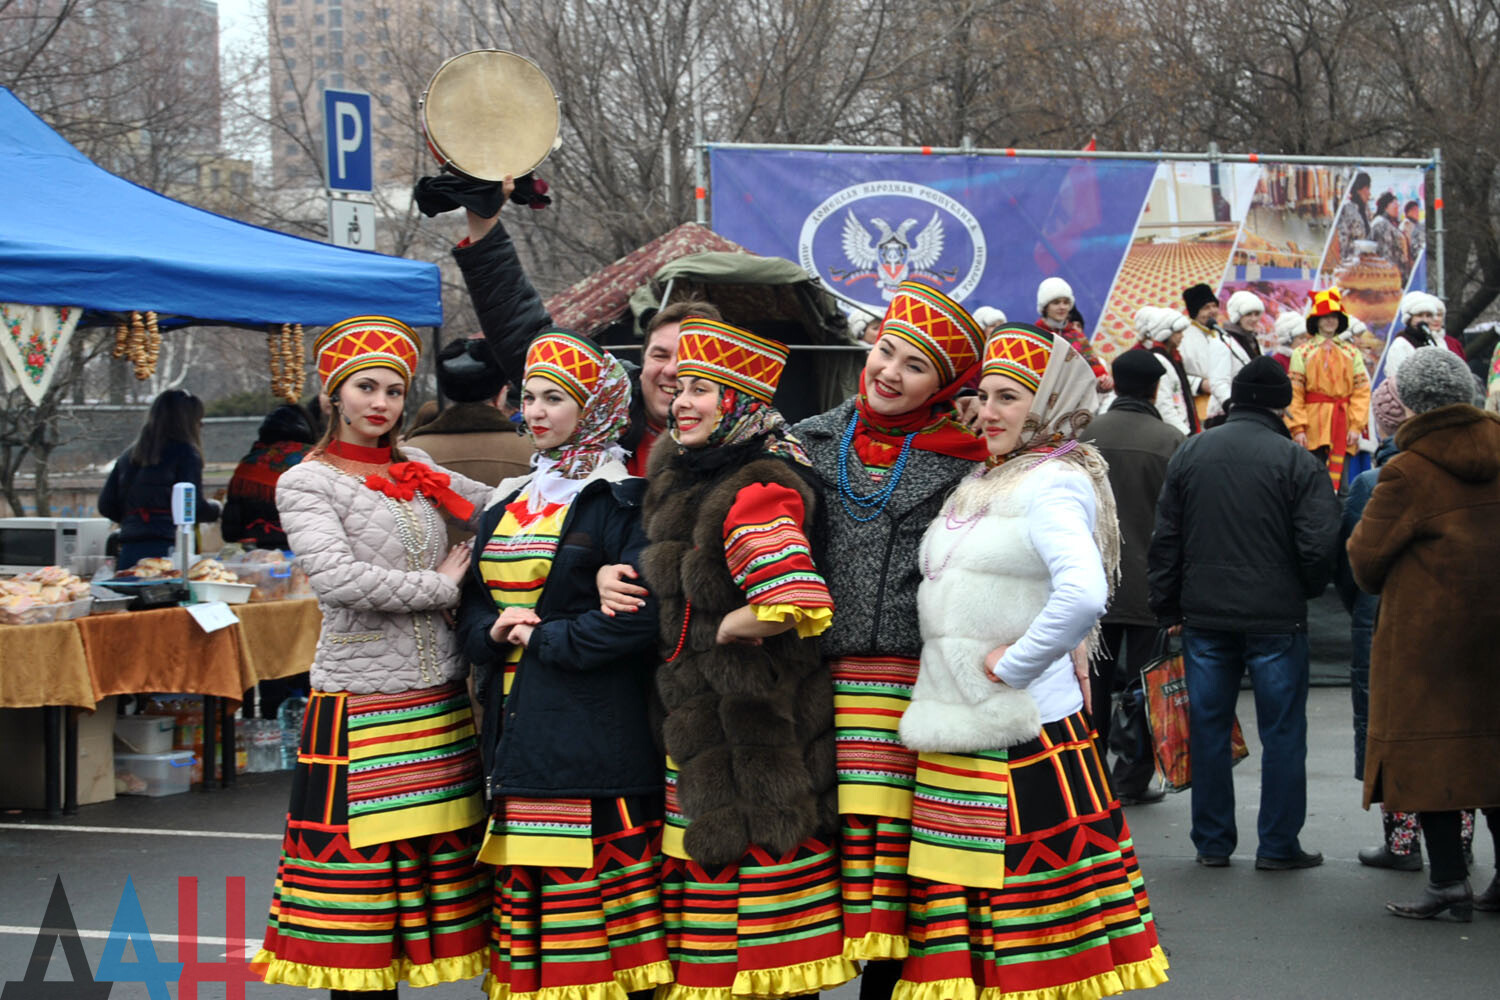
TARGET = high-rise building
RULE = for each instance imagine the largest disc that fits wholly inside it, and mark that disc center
(354, 45)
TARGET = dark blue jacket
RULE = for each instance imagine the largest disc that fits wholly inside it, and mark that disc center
(1362, 607)
(577, 720)
(139, 499)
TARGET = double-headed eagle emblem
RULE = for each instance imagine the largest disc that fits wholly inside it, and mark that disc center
(893, 256)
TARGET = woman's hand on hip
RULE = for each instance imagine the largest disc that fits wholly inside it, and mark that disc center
(991, 660)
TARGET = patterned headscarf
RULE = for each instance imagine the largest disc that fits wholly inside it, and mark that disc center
(604, 417)
(1063, 406)
(1049, 366)
(743, 418)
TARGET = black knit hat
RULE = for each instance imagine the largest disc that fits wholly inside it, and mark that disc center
(1136, 374)
(1197, 297)
(467, 371)
(1261, 383)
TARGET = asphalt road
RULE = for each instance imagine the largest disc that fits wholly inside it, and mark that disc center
(1230, 933)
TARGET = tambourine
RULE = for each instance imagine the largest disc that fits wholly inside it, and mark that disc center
(489, 113)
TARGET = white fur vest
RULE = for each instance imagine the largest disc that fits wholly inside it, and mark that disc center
(984, 584)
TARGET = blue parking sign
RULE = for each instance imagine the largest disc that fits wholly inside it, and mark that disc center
(347, 143)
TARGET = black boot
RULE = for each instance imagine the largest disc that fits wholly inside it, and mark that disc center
(1439, 898)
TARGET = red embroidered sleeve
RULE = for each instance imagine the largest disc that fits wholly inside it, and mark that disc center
(768, 552)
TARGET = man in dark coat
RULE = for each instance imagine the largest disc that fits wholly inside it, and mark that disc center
(1137, 444)
(1245, 532)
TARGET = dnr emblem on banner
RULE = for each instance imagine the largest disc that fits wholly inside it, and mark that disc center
(867, 238)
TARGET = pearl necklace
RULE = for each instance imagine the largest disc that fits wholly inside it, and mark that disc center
(880, 497)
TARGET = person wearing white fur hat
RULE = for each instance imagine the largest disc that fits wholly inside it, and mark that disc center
(1418, 316)
(1242, 333)
(1291, 330)
(1160, 333)
(1054, 301)
(988, 318)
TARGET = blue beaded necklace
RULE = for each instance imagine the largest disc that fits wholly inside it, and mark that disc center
(880, 497)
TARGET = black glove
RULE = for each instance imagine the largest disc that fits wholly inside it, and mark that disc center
(445, 192)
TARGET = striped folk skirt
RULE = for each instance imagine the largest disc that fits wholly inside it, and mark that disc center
(876, 774)
(767, 927)
(378, 880)
(593, 932)
(1038, 895)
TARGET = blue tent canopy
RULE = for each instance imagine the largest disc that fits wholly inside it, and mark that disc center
(73, 234)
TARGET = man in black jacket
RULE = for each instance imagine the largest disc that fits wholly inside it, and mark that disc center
(1245, 532)
(1137, 444)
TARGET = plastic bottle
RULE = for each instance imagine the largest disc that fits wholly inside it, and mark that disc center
(290, 717)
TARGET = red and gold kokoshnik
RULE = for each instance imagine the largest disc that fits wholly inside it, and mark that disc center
(1019, 351)
(362, 342)
(567, 359)
(937, 326)
(730, 356)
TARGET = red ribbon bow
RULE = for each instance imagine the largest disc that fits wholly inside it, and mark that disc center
(410, 478)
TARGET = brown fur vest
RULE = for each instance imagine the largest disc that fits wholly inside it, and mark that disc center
(749, 727)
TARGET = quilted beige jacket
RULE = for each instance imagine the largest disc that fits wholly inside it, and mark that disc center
(383, 628)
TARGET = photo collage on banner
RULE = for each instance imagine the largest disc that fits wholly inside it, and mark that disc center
(1184, 236)
(1284, 239)
(1124, 234)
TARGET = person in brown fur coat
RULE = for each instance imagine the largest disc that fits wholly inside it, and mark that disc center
(751, 803)
(1427, 545)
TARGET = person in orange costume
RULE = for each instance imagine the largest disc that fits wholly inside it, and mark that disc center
(1330, 387)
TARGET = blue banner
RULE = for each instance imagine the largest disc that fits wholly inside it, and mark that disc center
(984, 229)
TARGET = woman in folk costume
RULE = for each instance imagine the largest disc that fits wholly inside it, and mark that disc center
(1024, 882)
(574, 774)
(750, 881)
(377, 881)
(1330, 388)
(890, 454)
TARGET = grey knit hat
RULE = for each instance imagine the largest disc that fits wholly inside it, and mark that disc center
(1434, 377)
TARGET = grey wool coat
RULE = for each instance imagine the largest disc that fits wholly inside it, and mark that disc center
(874, 579)
(750, 728)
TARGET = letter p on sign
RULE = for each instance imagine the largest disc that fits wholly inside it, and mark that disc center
(348, 150)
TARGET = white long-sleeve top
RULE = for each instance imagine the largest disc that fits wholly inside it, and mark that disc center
(1060, 521)
(1024, 572)
(1209, 365)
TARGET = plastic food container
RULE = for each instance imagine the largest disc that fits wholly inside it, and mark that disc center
(145, 734)
(39, 614)
(229, 593)
(272, 580)
(153, 774)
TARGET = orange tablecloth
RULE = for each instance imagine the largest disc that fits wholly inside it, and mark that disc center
(44, 665)
(85, 661)
(278, 638)
(162, 650)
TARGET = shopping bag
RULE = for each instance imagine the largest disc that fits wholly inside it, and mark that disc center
(1165, 683)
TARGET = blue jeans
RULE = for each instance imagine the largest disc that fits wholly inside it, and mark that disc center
(1214, 662)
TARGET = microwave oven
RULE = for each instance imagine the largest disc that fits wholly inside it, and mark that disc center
(28, 543)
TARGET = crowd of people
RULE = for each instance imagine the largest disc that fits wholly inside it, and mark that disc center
(625, 685)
